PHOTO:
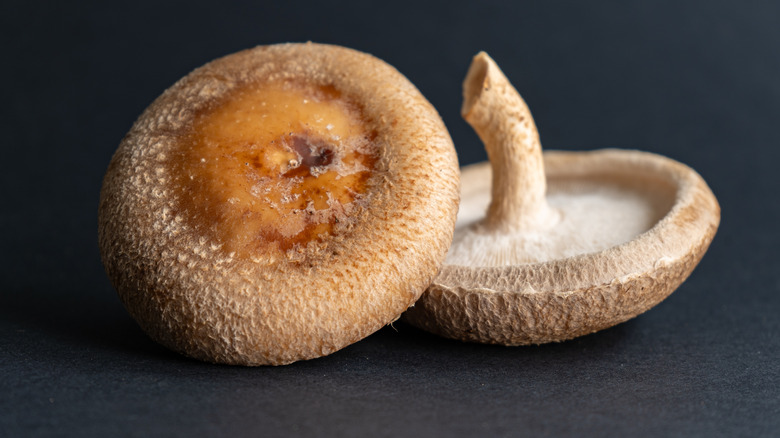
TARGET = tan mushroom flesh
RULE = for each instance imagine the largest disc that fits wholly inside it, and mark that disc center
(552, 246)
(278, 204)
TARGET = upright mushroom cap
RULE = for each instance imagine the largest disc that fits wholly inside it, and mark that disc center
(597, 239)
(278, 204)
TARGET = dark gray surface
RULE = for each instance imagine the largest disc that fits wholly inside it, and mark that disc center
(696, 81)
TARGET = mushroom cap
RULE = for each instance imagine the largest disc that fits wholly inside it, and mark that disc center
(270, 300)
(560, 295)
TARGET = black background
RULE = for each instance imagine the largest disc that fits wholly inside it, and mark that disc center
(698, 81)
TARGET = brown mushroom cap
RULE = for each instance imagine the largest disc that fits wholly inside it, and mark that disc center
(231, 248)
(597, 239)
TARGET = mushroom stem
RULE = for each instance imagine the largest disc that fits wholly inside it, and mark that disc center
(498, 114)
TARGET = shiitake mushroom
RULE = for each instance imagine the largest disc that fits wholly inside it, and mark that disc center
(278, 204)
(552, 246)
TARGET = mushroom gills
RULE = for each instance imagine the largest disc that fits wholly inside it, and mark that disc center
(592, 213)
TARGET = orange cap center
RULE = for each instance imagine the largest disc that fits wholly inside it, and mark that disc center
(276, 165)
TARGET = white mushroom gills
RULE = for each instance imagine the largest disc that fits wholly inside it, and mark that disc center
(532, 217)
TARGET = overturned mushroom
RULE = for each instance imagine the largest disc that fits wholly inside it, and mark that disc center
(571, 243)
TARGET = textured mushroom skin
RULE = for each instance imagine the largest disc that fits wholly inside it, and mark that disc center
(563, 299)
(191, 296)
(521, 319)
